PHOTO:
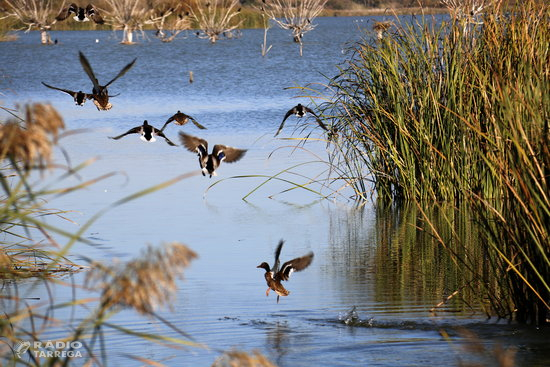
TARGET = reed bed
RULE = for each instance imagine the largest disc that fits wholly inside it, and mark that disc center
(456, 113)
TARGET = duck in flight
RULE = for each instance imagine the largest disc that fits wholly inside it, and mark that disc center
(100, 95)
(210, 162)
(300, 111)
(147, 133)
(81, 14)
(275, 275)
(79, 97)
(180, 118)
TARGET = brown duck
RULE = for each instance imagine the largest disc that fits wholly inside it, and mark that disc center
(180, 118)
(274, 276)
(100, 95)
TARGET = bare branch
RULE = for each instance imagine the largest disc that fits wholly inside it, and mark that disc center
(39, 14)
(127, 15)
(169, 18)
(295, 15)
(215, 17)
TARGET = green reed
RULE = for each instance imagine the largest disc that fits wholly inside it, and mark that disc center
(458, 113)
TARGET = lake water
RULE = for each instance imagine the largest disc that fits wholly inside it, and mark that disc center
(360, 258)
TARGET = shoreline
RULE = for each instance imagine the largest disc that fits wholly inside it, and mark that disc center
(250, 21)
(382, 11)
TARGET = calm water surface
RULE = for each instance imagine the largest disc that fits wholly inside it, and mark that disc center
(241, 97)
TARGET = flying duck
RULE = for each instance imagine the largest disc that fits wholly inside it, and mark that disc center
(81, 14)
(300, 111)
(180, 118)
(100, 95)
(147, 133)
(79, 97)
(210, 162)
(274, 276)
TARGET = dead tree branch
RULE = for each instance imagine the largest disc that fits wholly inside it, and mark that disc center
(216, 17)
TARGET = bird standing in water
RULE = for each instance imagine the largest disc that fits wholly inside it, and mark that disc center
(275, 275)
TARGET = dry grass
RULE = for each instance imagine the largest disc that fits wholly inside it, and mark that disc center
(32, 141)
(242, 359)
(142, 284)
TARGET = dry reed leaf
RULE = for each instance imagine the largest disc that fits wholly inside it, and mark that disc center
(31, 143)
(242, 359)
(143, 284)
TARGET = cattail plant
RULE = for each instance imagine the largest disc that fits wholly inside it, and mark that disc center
(448, 114)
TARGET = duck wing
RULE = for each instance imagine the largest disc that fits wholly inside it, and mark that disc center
(134, 130)
(90, 72)
(72, 93)
(309, 110)
(161, 134)
(275, 268)
(196, 123)
(92, 12)
(297, 264)
(121, 72)
(194, 144)
(290, 112)
(170, 119)
(65, 12)
(227, 154)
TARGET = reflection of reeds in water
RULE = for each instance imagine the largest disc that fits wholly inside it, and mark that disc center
(490, 356)
(145, 283)
(397, 262)
(448, 269)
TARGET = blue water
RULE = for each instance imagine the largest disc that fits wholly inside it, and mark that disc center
(241, 98)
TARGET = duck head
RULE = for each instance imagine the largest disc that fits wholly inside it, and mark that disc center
(264, 266)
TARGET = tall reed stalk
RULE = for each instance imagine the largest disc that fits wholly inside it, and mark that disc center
(432, 113)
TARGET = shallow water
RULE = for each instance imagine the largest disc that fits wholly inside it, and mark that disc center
(241, 98)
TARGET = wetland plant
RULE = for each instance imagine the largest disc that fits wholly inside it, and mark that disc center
(216, 17)
(33, 256)
(437, 114)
